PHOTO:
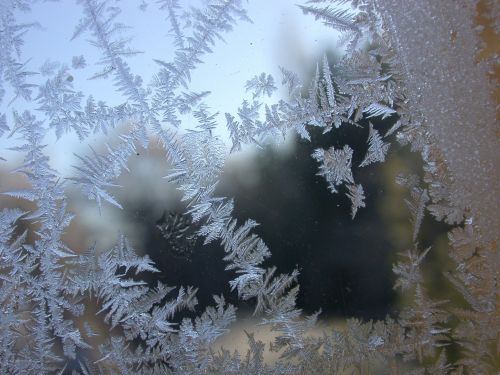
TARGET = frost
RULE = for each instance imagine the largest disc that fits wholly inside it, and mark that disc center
(48, 68)
(78, 62)
(357, 197)
(3, 125)
(335, 17)
(377, 149)
(261, 85)
(335, 166)
(46, 286)
(376, 109)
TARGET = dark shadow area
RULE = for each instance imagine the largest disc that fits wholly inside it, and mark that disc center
(345, 265)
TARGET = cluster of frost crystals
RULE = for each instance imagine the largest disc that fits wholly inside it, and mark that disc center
(396, 66)
(335, 165)
(452, 121)
(437, 48)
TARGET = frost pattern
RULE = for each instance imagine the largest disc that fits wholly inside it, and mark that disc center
(377, 149)
(335, 166)
(357, 197)
(44, 283)
(78, 62)
(261, 85)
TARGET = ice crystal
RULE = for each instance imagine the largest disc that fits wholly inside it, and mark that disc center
(357, 197)
(335, 166)
(78, 62)
(377, 149)
(261, 85)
